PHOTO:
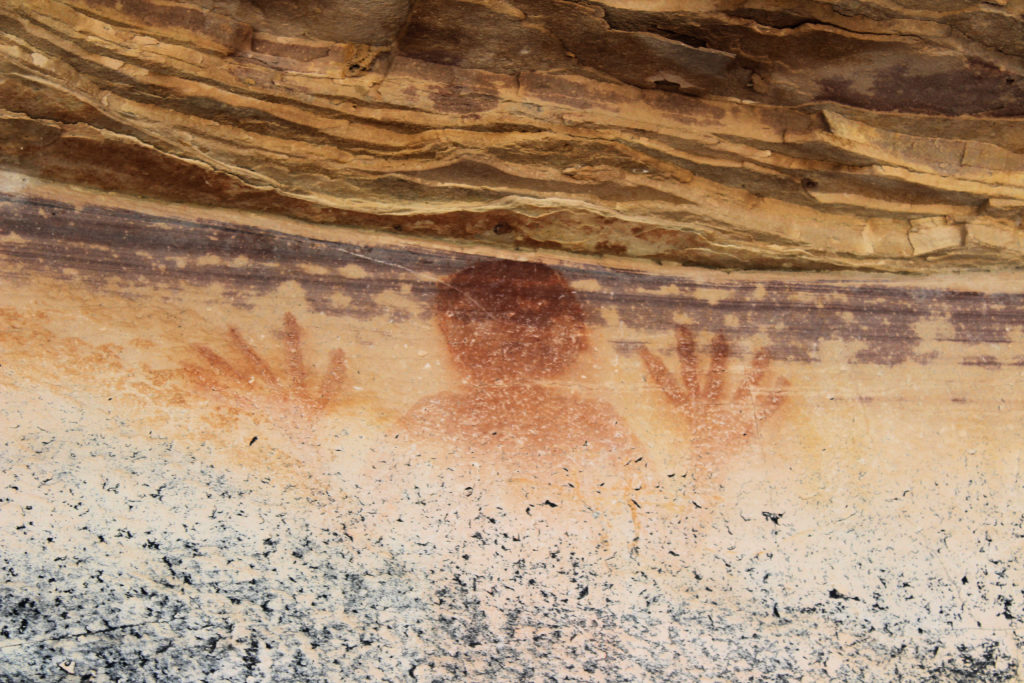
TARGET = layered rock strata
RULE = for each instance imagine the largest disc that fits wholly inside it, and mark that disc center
(813, 135)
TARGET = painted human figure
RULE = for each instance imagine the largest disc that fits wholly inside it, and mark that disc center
(513, 329)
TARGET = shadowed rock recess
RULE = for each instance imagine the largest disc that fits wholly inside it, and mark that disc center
(877, 134)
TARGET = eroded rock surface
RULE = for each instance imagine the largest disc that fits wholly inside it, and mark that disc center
(230, 451)
(875, 135)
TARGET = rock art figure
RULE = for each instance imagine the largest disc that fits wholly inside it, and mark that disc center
(250, 382)
(512, 329)
(718, 421)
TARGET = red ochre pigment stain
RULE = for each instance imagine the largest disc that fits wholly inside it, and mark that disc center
(514, 332)
(249, 381)
(509, 326)
(513, 321)
(718, 420)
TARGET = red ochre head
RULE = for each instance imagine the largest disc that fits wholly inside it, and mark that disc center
(511, 321)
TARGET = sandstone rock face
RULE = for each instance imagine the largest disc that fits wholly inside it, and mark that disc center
(238, 447)
(361, 340)
(802, 135)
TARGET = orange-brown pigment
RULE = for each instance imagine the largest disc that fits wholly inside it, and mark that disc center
(510, 326)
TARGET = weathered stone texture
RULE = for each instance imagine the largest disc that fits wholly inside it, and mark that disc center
(236, 447)
(359, 340)
(765, 135)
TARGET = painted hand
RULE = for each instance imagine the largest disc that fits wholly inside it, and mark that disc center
(718, 421)
(249, 381)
